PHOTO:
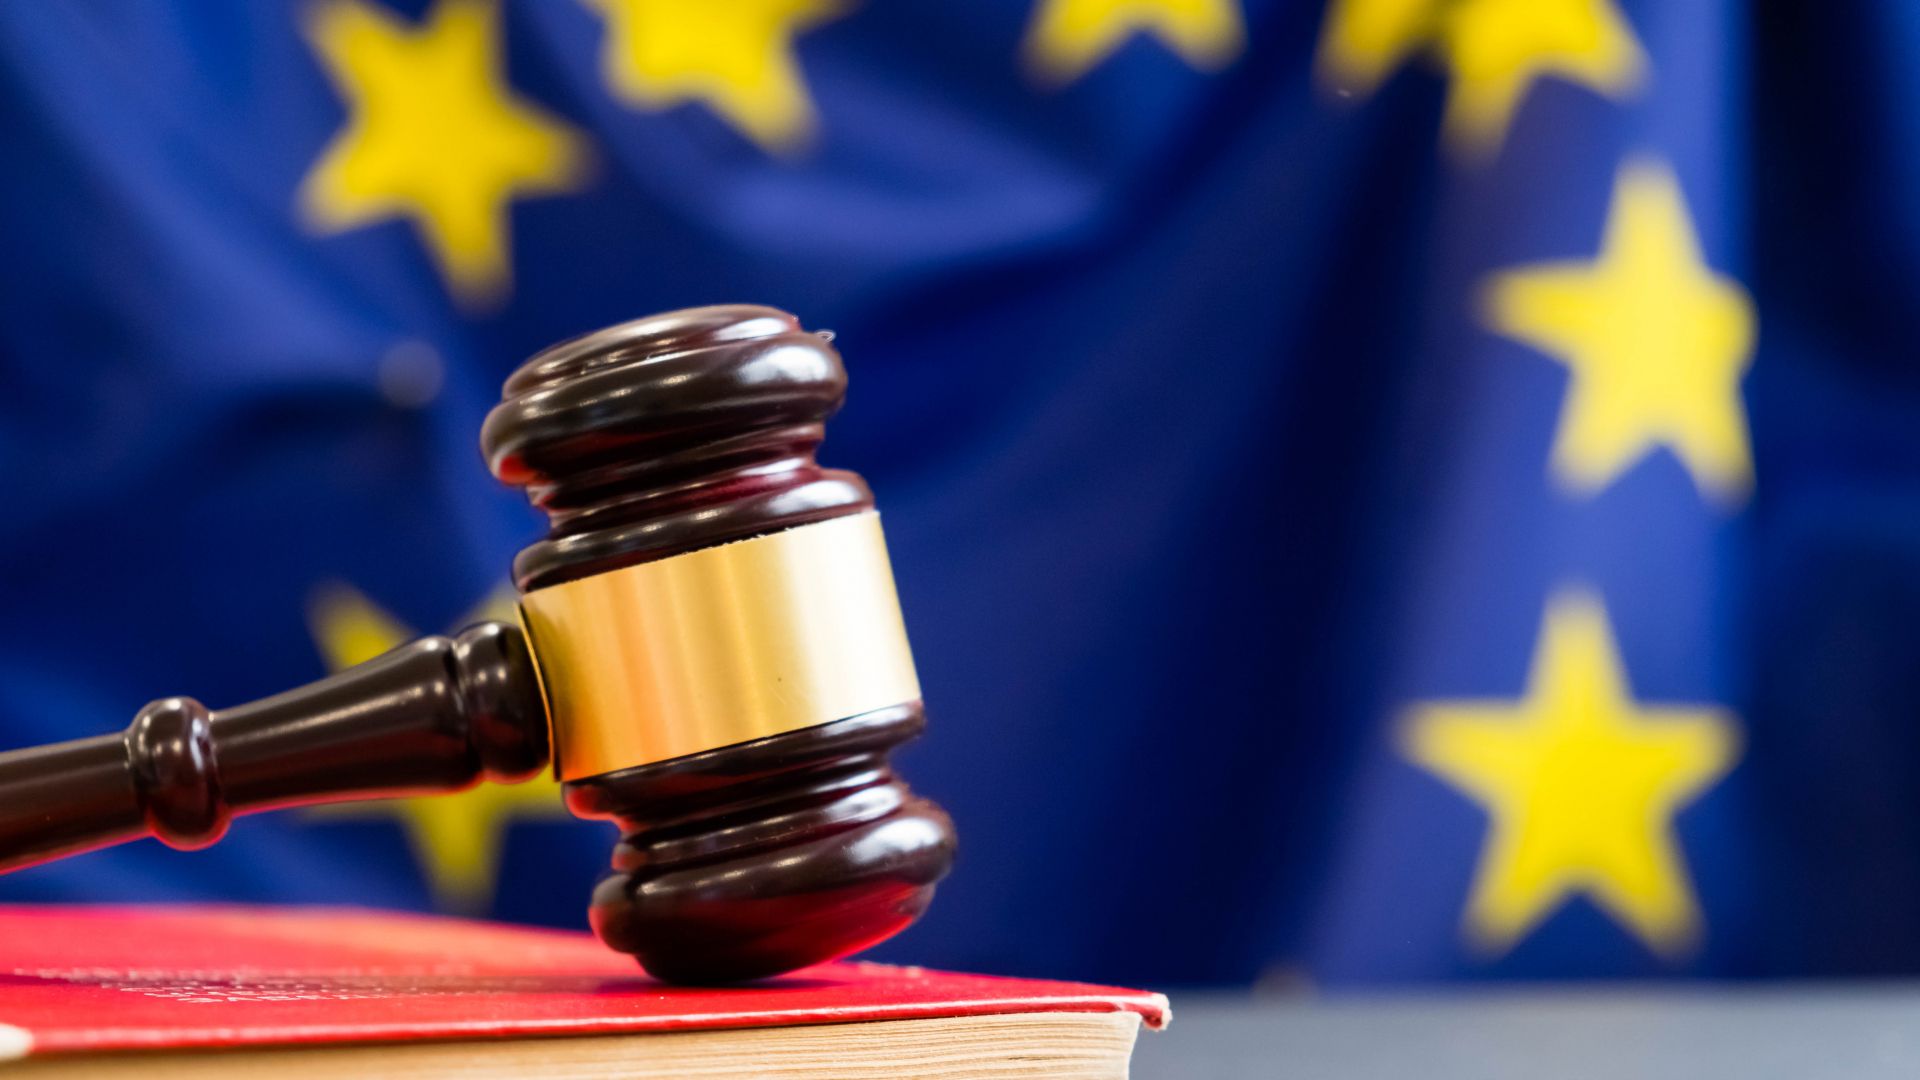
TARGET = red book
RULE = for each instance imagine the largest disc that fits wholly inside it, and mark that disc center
(84, 985)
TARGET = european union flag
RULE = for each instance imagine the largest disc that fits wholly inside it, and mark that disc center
(1397, 490)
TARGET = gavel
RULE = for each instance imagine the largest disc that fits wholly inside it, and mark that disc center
(711, 655)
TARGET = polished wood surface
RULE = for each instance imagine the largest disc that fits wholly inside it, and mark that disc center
(642, 441)
(663, 436)
(767, 856)
(440, 714)
(668, 434)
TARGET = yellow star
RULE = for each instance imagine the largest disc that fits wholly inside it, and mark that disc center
(1656, 344)
(1581, 784)
(433, 134)
(735, 55)
(1495, 49)
(456, 838)
(1068, 37)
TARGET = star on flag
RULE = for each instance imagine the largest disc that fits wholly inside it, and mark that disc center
(734, 56)
(1493, 50)
(433, 136)
(1580, 783)
(1068, 38)
(1655, 342)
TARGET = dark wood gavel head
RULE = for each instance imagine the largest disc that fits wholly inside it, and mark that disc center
(712, 656)
(721, 647)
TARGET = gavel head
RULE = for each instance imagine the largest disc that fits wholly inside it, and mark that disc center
(719, 641)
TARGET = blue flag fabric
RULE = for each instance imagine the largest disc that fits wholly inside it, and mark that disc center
(1403, 491)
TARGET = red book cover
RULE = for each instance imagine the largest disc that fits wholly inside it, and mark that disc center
(124, 978)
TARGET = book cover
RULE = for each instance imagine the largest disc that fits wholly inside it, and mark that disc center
(91, 979)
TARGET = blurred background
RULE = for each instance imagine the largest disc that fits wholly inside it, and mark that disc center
(1383, 492)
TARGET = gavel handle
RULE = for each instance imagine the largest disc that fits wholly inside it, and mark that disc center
(435, 715)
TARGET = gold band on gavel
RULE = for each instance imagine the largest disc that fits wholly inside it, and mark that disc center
(720, 646)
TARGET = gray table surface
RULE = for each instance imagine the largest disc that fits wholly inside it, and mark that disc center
(1749, 1032)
